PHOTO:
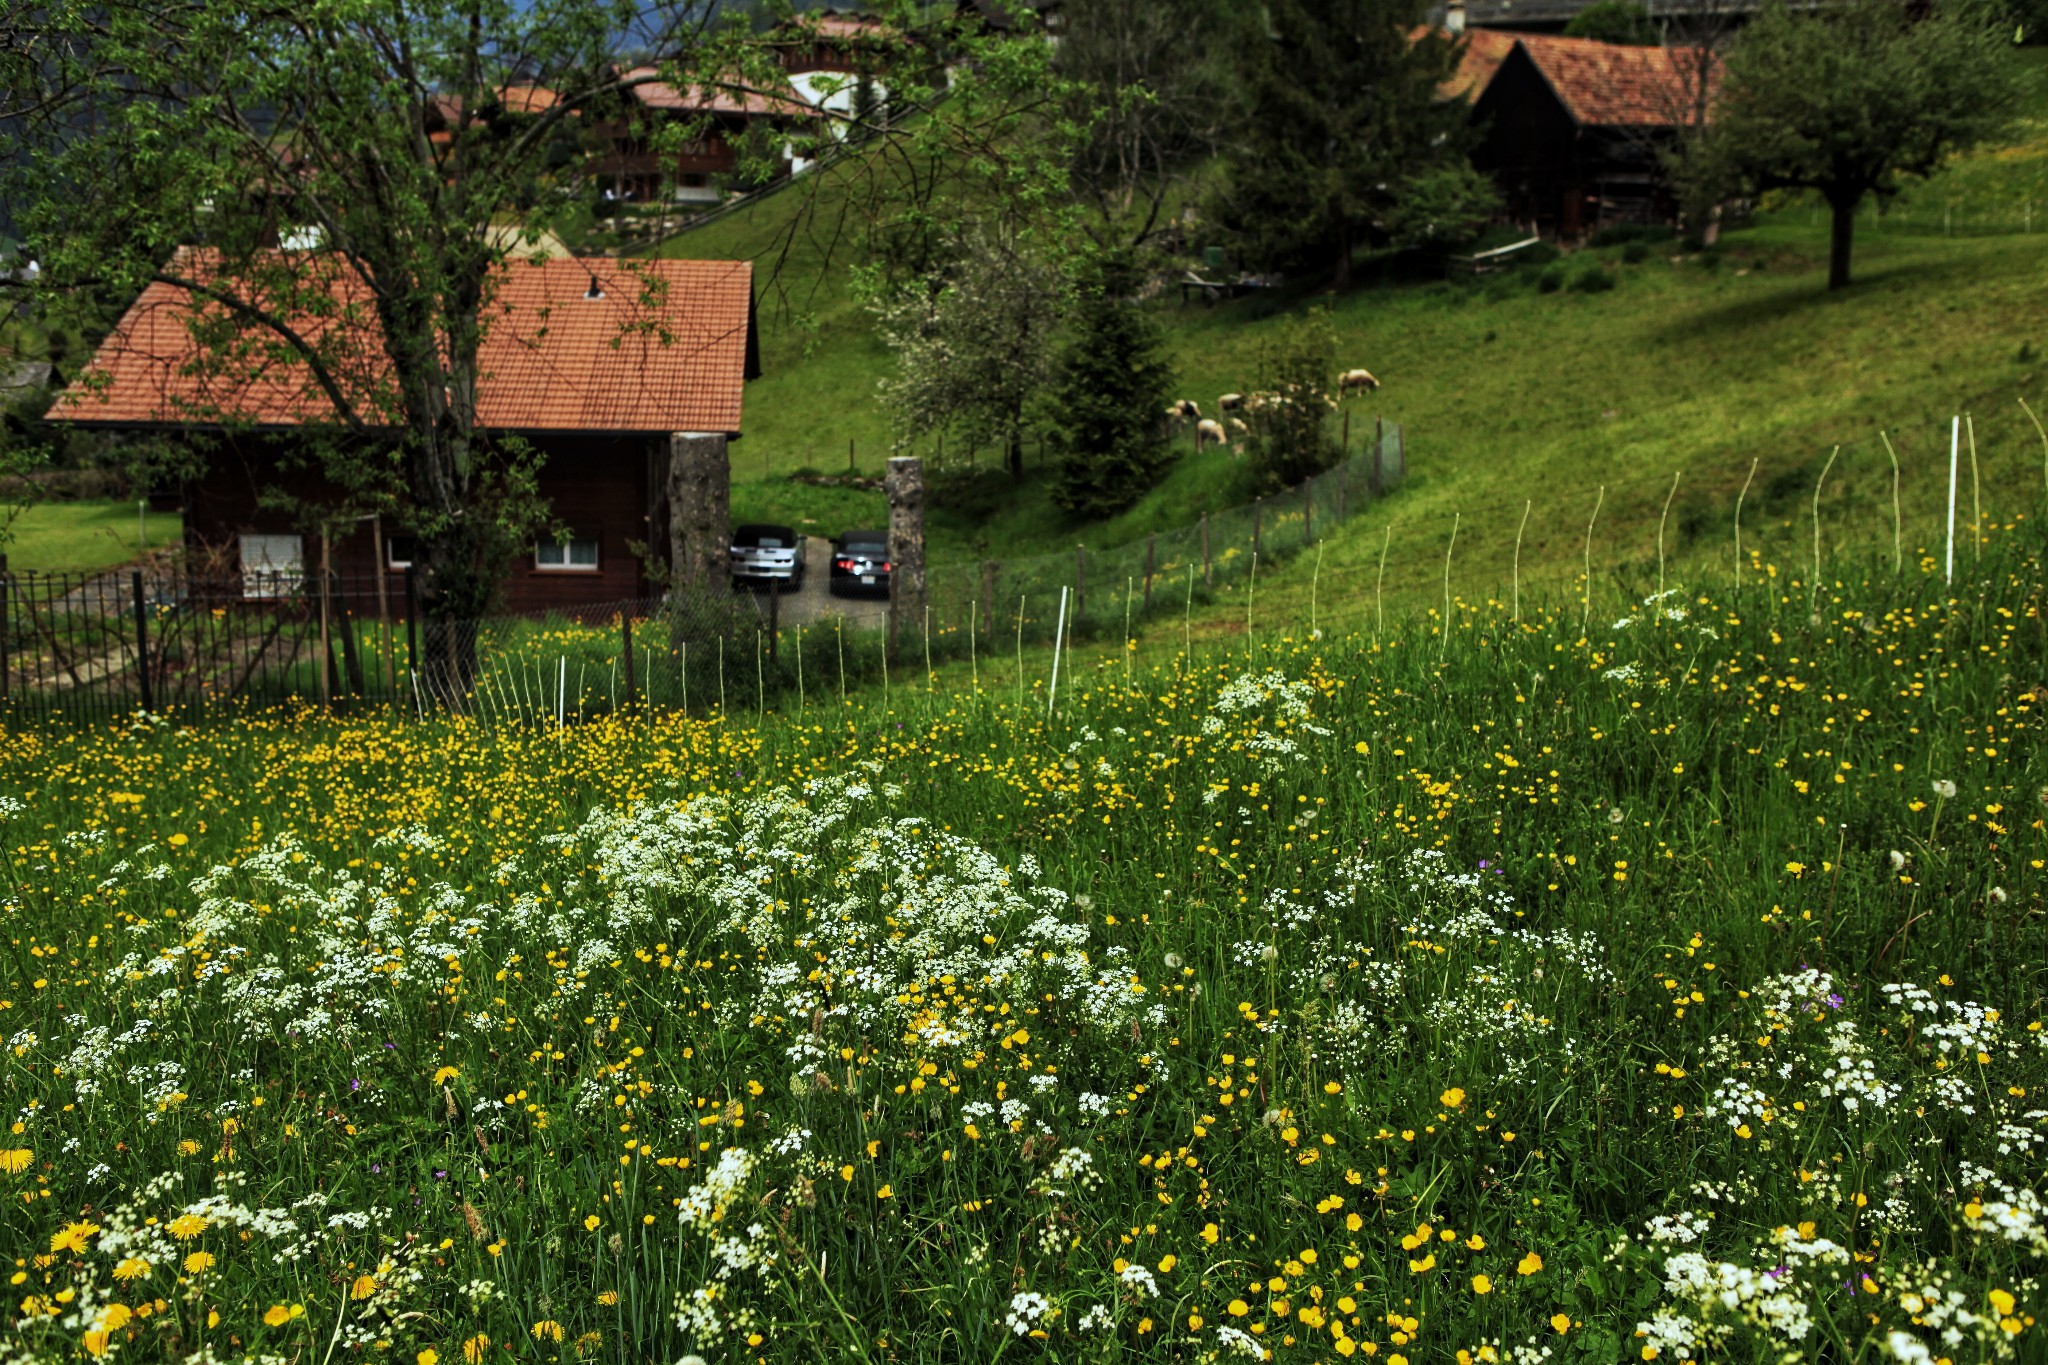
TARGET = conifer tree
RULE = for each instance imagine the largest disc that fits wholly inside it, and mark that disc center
(1109, 394)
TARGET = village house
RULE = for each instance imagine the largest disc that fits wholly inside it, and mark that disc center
(724, 128)
(607, 367)
(1573, 132)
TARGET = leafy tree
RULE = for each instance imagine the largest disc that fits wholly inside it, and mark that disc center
(1614, 21)
(1338, 118)
(396, 134)
(1107, 397)
(1848, 99)
(1148, 96)
(1443, 207)
(974, 344)
(1289, 416)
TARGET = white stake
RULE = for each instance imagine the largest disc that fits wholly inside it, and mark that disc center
(562, 694)
(1955, 439)
(1059, 630)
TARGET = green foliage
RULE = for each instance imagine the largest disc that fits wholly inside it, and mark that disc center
(1339, 118)
(1614, 21)
(973, 344)
(1550, 280)
(1112, 384)
(1442, 207)
(1594, 278)
(1289, 415)
(1853, 99)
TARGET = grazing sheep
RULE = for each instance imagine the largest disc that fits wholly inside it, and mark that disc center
(1230, 402)
(1357, 379)
(1208, 432)
(1187, 410)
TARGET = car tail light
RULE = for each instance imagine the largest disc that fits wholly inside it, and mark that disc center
(845, 564)
(885, 566)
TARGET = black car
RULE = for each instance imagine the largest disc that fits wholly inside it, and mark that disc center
(860, 564)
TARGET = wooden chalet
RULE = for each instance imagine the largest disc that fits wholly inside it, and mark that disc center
(605, 366)
(1573, 131)
(721, 123)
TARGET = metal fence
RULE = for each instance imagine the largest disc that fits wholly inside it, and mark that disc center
(94, 646)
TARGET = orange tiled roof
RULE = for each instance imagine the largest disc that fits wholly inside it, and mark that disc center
(1612, 85)
(665, 349)
(1485, 50)
(696, 99)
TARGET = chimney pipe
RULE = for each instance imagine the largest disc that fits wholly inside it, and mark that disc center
(1454, 17)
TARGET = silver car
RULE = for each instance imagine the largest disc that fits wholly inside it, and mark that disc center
(767, 556)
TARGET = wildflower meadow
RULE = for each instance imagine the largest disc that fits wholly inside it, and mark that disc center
(1659, 982)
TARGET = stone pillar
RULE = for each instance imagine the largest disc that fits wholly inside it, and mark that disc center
(904, 487)
(699, 510)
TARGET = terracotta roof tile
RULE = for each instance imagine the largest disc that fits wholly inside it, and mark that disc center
(1612, 85)
(694, 99)
(664, 349)
(1485, 50)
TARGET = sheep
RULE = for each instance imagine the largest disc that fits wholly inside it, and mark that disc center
(1187, 410)
(1230, 402)
(1209, 432)
(1357, 379)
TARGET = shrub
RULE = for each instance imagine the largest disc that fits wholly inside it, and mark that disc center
(1551, 280)
(1636, 252)
(1597, 279)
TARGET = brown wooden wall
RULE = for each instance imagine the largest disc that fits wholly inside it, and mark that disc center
(597, 486)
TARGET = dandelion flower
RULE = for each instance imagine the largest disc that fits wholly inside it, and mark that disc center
(16, 1160)
(134, 1268)
(476, 1348)
(1898, 861)
(73, 1237)
(547, 1329)
(198, 1262)
(1944, 788)
(446, 1074)
(186, 1226)
(1997, 895)
(364, 1286)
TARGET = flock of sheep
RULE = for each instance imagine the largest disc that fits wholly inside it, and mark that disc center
(1231, 430)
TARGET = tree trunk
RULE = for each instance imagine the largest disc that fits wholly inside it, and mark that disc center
(1840, 239)
(1343, 275)
(904, 487)
(699, 510)
(1016, 454)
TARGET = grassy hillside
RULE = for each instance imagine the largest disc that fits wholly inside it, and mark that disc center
(1691, 365)
(75, 537)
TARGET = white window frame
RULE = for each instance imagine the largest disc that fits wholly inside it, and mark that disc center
(567, 549)
(273, 566)
(391, 559)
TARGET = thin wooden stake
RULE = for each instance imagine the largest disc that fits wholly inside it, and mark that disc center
(2043, 432)
(1527, 503)
(1444, 642)
(1059, 630)
(1897, 525)
(1813, 588)
(1020, 653)
(1976, 496)
(1379, 614)
(1660, 529)
(1738, 521)
(1314, 582)
(1586, 608)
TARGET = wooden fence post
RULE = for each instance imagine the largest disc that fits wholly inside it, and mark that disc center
(626, 645)
(1080, 580)
(6, 594)
(1208, 574)
(412, 636)
(142, 643)
(1151, 543)
(1308, 511)
(1258, 517)
(988, 594)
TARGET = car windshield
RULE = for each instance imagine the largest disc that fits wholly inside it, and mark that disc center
(764, 538)
(865, 543)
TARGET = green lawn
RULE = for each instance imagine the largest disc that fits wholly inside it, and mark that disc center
(1691, 367)
(78, 537)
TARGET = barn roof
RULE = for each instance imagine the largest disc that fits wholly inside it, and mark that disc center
(1610, 85)
(696, 99)
(666, 348)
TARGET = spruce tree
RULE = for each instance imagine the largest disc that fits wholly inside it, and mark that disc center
(1109, 395)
